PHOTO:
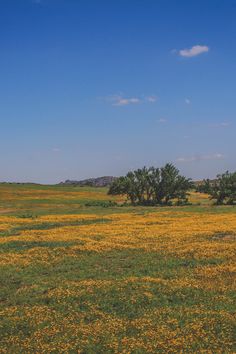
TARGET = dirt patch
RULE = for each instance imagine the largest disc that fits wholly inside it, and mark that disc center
(224, 236)
(6, 211)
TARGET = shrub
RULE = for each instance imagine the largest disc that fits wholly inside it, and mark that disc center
(103, 204)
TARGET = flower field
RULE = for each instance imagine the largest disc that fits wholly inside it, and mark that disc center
(92, 279)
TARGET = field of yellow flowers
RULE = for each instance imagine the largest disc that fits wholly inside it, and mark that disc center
(78, 275)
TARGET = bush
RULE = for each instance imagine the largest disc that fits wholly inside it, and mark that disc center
(102, 204)
(27, 215)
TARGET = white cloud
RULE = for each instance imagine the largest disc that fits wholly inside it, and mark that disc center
(194, 51)
(121, 100)
(220, 125)
(126, 101)
(118, 100)
(152, 99)
(200, 158)
(162, 120)
(56, 149)
(187, 101)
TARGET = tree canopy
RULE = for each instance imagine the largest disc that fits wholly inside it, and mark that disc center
(153, 186)
(223, 189)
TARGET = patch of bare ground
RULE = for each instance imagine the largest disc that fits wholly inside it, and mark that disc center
(224, 236)
(6, 211)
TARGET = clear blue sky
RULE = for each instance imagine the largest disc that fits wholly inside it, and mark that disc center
(91, 88)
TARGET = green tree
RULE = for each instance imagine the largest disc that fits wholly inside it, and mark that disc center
(153, 186)
(223, 190)
(119, 186)
(173, 185)
(204, 187)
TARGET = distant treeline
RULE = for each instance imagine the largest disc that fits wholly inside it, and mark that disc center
(165, 186)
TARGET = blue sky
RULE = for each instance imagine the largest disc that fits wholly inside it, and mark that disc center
(91, 88)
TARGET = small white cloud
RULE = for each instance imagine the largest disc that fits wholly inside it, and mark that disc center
(118, 100)
(217, 156)
(200, 158)
(121, 100)
(220, 125)
(56, 149)
(194, 51)
(152, 99)
(162, 120)
(187, 101)
(126, 101)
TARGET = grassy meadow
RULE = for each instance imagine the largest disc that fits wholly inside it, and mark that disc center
(80, 274)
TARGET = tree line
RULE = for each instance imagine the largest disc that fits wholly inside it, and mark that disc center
(165, 186)
(153, 186)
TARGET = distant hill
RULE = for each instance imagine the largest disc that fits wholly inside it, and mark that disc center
(201, 182)
(92, 182)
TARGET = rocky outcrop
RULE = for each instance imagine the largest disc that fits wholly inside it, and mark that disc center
(93, 182)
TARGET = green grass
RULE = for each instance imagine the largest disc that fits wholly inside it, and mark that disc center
(49, 225)
(114, 266)
(117, 283)
(66, 205)
(127, 300)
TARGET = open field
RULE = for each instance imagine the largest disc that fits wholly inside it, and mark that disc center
(80, 276)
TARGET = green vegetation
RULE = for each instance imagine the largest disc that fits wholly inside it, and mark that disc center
(153, 186)
(81, 272)
(222, 190)
(49, 225)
